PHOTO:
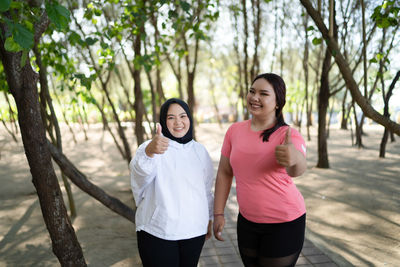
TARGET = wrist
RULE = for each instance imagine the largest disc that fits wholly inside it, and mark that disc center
(218, 214)
(148, 153)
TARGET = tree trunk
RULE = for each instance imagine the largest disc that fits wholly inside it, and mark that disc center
(139, 112)
(246, 59)
(343, 123)
(386, 99)
(323, 102)
(382, 147)
(323, 97)
(305, 68)
(22, 84)
(51, 119)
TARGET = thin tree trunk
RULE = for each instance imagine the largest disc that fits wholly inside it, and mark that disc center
(323, 100)
(343, 123)
(246, 57)
(386, 113)
(256, 26)
(138, 104)
(46, 101)
(305, 68)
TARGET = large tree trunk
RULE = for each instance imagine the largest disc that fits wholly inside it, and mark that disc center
(23, 86)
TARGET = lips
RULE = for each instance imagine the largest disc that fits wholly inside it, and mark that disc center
(255, 105)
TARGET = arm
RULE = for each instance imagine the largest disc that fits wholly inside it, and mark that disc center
(143, 165)
(300, 164)
(223, 185)
(288, 156)
(142, 170)
(209, 176)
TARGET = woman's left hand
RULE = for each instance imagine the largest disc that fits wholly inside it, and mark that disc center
(286, 154)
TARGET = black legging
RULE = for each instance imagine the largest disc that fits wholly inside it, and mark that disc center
(270, 244)
(157, 252)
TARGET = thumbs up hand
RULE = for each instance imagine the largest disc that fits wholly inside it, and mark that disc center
(158, 145)
(286, 153)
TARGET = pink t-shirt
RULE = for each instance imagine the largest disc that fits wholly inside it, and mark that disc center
(265, 192)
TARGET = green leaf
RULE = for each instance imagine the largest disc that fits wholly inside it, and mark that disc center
(310, 28)
(91, 41)
(58, 14)
(172, 14)
(23, 36)
(75, 38)
(185, 6)
(11, 46)
(4, 5)
(317, 41)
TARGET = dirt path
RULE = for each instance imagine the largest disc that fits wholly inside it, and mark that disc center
(353, 208)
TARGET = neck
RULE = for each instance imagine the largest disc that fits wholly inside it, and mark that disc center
(258, 124)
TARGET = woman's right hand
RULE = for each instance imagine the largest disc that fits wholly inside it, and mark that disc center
(158, 145)
(219, 223)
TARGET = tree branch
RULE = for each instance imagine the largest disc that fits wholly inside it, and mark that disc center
(41, 26)
(80, 180)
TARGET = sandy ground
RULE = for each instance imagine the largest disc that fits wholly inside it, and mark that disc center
(353, 208)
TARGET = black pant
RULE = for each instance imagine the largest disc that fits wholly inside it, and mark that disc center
(157, 252)
(270, 244)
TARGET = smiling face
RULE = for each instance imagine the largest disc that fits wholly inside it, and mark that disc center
(178, 122)
(261, 99)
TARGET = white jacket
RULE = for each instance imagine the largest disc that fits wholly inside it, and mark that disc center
(172, 191)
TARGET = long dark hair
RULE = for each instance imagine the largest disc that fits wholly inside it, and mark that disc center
(280, 92)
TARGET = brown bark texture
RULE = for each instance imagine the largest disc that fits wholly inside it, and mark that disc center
(22, 83)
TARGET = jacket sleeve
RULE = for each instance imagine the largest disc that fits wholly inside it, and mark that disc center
(209, 181)
(143, 171)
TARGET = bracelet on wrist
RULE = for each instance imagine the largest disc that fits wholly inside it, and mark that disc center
(218, 214)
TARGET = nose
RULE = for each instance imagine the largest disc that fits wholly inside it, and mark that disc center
(178, 121)
(254, 97)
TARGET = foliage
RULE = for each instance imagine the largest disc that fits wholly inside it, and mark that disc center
(387, 14)
(21, 18)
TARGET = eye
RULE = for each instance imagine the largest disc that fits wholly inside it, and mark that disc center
(251, 91)
(170, 117)
(183, 116)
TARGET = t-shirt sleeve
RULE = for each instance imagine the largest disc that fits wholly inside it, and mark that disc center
(227, 144)
(298, 141)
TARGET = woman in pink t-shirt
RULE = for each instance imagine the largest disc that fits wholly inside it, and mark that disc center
(263, 154)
